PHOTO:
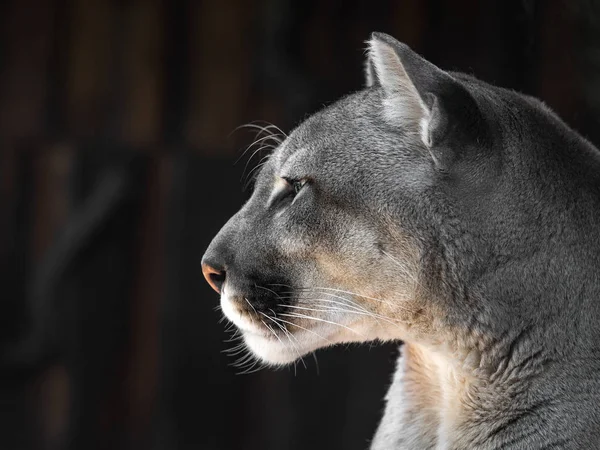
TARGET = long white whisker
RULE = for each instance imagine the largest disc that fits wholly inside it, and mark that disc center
(252, 369)
(356, 294)
(347, 311)
(345, 302)
(235, 350)
(276, 320)
(265, 129)
(260, 164)
(354, 305)
(305, 329)
(288, 336)
(316, 363)
(267, 289)
(251, 306)
(329, 309)
(279, 325)
(303, 316)
(243, 360)
(273, 332)
(250, 159)
(394, 305)
(257, 141)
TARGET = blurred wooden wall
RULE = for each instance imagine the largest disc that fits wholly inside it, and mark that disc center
(162, 78)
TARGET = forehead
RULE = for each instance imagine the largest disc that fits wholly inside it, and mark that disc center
(331, 134)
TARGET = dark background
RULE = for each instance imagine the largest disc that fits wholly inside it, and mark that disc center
(117, 146)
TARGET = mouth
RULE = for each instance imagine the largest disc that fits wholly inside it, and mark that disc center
(250, 319)
(282, 333)
(273, 339)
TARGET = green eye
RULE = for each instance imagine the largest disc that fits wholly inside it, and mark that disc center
(294, 186)
(297, 185)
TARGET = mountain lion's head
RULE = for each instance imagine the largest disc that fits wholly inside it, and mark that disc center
(385, 216)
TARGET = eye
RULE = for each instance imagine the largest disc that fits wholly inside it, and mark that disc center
(295, 185)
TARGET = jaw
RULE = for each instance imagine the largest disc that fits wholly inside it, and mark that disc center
(279, 343)
(285, 348)
(278, 351)
(266, 339)
(285, 338)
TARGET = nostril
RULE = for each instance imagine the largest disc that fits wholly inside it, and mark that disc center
(217, 279)
(214, 277)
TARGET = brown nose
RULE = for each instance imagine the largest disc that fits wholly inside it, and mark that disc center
(215, 277)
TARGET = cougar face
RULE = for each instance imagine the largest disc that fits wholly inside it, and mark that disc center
(337, 242)
(317, 255)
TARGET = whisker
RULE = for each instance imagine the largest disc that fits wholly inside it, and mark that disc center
(243, 360)
(305, 329)
(288, 336)
(328, 309)
(356, 294)
(394, 305)
(254, 125)
(258, 150)
(278, 324)
(346, 302)
(375, 316)
(235, 350)
(251, 306)
(267, 289)
(255, 170)
(275, 142)
(355, 305)
(262, 129)
(347, 311)
(273, 332)
(235, 336)
(250, 369)
(230, 327)
(303, 316)
(268, 126)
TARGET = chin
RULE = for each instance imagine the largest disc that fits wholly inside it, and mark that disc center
(271, 351)
(269, 345)
(264, 345)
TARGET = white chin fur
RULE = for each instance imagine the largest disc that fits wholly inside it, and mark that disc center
(285, 350)
(263, 344)
(270, 350)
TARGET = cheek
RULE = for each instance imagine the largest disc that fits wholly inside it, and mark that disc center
(292, 247)
(295, 238)
(382, 276)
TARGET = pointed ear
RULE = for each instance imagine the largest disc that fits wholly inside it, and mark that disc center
(418, 94)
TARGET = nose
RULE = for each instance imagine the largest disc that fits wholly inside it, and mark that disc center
(215, 276)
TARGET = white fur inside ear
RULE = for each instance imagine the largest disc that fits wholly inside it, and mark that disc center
(370, 77)
(402, 104)
(424, 129)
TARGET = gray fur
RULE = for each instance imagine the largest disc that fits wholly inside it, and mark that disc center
(466, 225)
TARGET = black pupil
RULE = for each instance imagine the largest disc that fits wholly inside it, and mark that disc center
(297, 186)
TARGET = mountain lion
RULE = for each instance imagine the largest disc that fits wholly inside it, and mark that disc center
(434, 209)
